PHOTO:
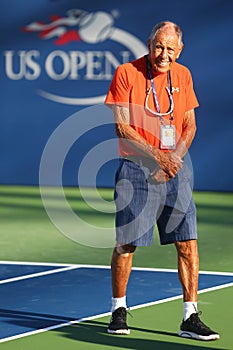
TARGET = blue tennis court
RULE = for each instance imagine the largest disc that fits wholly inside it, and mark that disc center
(38, 297)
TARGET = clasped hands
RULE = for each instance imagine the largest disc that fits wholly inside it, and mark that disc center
(169, 165)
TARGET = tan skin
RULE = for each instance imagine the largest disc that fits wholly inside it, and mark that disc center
(163, 52)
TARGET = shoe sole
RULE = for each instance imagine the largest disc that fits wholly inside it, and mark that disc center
(186, 334)
(119, 331)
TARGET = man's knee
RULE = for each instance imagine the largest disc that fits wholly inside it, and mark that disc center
(124, 249)
(187, 248)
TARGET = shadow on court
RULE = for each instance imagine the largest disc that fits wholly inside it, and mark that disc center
(31, 320)
(94, 332)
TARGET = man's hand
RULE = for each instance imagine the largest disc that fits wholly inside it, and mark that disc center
(159, 176)
(170, 163)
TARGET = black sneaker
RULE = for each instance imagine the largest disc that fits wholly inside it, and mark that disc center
(118, 323)
(194, 328)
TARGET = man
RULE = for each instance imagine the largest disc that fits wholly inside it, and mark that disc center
(153, 103)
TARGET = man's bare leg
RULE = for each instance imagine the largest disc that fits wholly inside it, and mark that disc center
(121, 266)
(188, 268)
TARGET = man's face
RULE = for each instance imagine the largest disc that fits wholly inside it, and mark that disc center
(164, 50)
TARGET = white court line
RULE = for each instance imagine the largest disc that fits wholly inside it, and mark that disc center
(65, 324)
(6, 262)
(107, 267)
(222, 286)
(75, 266)
(37, 274)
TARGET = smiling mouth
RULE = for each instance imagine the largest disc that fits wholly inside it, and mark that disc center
(163, 63)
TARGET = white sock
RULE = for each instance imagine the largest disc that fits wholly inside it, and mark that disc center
(190, 307)
(118, 302)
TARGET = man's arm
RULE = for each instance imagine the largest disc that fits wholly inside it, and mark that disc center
(170, 164)
(189, 130)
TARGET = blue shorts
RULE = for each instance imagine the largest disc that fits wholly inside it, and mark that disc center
(140, 203)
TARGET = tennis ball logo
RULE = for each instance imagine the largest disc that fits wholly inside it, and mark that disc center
(96, 27)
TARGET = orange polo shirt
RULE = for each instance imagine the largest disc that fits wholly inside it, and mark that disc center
(129, 87)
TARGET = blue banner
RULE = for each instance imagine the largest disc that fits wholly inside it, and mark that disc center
(57, 60)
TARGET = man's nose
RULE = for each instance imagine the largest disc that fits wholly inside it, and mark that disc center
(164, 53)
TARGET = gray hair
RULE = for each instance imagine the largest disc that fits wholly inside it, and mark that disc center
(158, 27)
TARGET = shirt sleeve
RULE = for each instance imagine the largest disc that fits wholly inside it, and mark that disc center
(120, 88)
(191, 99)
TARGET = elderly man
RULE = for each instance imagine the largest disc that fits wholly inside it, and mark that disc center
(153, 102)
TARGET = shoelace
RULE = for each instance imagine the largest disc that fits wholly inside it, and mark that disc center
(121, 314)
(196, 320)
(128, 313)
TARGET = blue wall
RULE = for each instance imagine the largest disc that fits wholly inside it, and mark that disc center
(45, 81)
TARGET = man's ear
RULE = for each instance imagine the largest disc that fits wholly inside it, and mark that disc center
(180, 50)
(149, 45)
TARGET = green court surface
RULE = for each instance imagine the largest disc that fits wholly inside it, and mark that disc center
(27, 234)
